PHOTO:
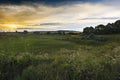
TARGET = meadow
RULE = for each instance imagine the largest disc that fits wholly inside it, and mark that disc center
(59, 57)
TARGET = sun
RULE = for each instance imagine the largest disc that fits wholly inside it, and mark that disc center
(12, 26)
(9, 27)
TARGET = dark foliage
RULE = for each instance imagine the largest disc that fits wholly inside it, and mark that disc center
(110, 28)
(25, 32)
(37, 33)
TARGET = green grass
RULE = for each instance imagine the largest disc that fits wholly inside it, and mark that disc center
(59, 57)
(34, 44)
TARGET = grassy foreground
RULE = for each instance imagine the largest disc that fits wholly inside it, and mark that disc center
(59, 57)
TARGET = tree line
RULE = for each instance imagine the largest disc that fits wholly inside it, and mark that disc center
(110, 28)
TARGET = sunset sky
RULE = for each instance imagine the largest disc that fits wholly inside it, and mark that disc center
(52, 15)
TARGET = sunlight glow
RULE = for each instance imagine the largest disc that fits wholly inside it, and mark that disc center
(9, 27)
(13, 26)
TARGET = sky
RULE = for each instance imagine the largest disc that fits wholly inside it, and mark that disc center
(51, 15)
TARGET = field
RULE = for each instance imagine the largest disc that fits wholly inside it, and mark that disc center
(59, 57)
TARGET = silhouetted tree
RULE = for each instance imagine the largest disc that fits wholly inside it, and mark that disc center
(25, 31)
(100, 29)
(61, 32)
(88, 30)
(117, 26)
(48, 33)
(104, 29)
(109, 28)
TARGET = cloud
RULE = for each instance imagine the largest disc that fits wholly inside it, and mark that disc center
(51, 24)
(71, 16)
(24, 13)
(102, 18)
(46, 2)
